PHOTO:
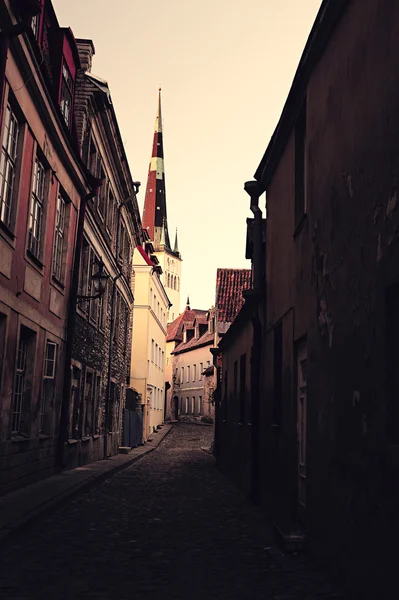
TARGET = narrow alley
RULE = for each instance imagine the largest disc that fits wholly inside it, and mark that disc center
(170, 525)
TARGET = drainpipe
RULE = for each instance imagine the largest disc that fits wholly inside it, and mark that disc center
(255, 190)
(70, 324)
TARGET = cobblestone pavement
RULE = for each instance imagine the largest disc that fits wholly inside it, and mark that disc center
(168, 526)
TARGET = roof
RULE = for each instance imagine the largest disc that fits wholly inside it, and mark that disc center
(326, 21)
(145, 256)
(230, 283)
(195, 342)
(175, 329)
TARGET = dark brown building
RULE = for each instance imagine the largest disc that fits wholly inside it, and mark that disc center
(102, 333)
(328, 382)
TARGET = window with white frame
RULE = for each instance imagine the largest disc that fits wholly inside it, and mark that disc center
(188, 374)
(194, 372)
(59, 238)
(152, 350)
(66, 94)
(182, 375)
(48, 386)
(34, 24)
(201, 370)
(36, 216)
(8, 165)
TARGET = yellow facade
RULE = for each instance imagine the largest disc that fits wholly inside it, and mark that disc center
(149, 340)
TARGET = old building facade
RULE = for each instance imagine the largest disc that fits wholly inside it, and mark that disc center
(326, 459)
(42, 183)
(102, 332)
(149, 336)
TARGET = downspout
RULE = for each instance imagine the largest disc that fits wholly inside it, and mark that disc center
(255, 295)
(70, 323)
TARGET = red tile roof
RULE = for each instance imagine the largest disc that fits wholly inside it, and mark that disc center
(175, 329)
(145, 256)
(203, 340)
(230, 283)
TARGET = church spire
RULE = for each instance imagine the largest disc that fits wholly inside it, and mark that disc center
(176, 246)
(154, 214)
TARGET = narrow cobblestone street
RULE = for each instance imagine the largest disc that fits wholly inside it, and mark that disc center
(169, 526)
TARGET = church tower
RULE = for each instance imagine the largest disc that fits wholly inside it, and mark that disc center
(155, 220)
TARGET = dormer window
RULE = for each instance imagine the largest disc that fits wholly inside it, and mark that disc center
(66, 94)
(35, 25)
(210, 326)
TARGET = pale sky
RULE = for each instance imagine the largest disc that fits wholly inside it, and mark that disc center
(225, 68)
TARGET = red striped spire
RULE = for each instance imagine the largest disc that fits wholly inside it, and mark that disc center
(154, 214)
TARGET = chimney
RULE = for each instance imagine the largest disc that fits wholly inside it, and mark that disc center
(86, 52)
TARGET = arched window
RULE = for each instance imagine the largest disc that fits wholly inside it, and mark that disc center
(167, 280)
(174, 283)
(178, 284)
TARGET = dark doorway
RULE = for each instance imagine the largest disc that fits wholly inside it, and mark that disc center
(176, 407)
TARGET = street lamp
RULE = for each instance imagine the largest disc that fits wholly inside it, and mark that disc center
(99, 281)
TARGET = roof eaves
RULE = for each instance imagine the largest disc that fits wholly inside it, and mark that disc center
(326, 21)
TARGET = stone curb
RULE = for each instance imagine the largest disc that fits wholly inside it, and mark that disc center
(102, 472)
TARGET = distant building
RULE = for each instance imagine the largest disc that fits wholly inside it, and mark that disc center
(149, 336)
(192, 335)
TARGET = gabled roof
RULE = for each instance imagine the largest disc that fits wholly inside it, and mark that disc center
(145, 256)
(175, 329)
(230, 283)
(195, 342)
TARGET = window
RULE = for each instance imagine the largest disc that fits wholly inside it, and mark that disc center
(87, 416)
(102, 198)
(48, 387)
(208, 363)
(75, 403)
(35, 25)
(84, 276)
(59, 239)
(193, 406)
(150, 296)
(200, 405)
(243, 375)
(3, 329)
(182, 375)
(235, 380)
(163, 360)
(201, 369)
(8, 166)
(194, 372)
(121, 241)
(187, 406)
(188, 374)
(66, 94)
(156, 355)
(300, 166)
(278, 374)
(50, 360)
(95, 304)
(152, 350)
(110, 210)
(225, 397)
(35, 241)
(23, 379)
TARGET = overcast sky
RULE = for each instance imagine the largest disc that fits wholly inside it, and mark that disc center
(225, 68)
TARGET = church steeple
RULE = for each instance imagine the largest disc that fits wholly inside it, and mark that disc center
(176, 246)
(154, 214)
